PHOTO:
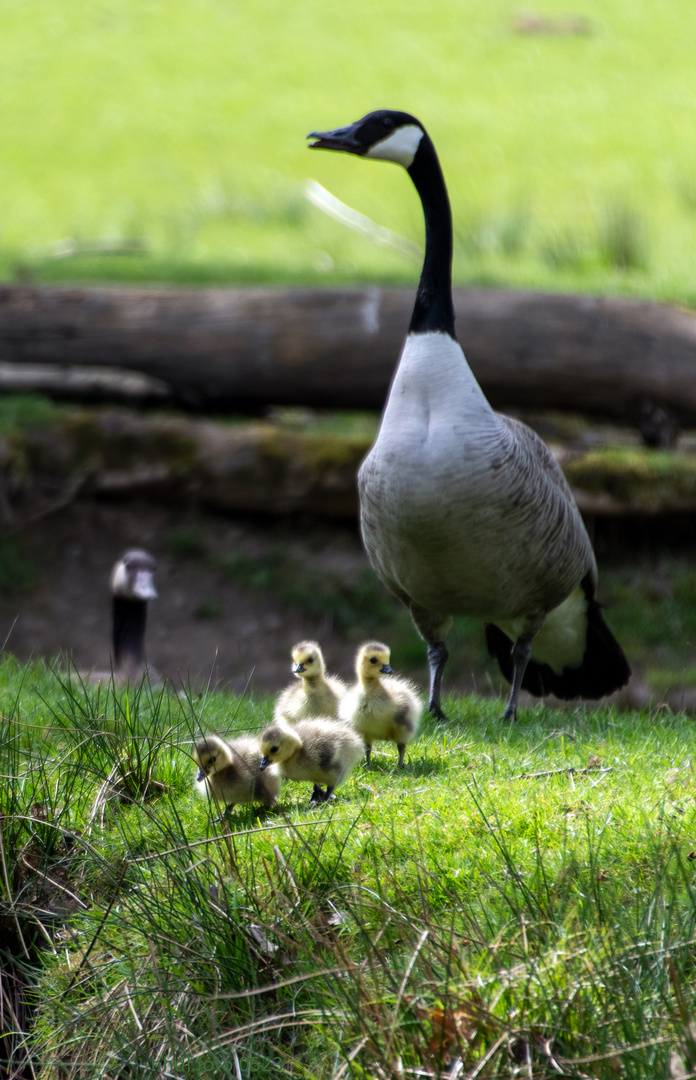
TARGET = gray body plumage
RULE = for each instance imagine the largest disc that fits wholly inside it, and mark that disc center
(321, 750)
(463, 510)
(230, 771)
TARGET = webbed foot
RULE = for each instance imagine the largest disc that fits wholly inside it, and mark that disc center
(436, 712)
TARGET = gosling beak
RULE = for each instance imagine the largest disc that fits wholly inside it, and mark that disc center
(386, 669)
(298, 669)
(338, 139)
(201, 776)
(265, 760)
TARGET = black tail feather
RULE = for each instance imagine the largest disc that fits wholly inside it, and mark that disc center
(604, 667)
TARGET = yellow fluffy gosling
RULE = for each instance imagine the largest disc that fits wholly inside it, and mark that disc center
(323, 751)
(316, 694)
(381, 708)
(231, 771)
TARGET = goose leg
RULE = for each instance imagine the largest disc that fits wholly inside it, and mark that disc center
(401, 747)
(225, 815)
(318, 795)
(368, 752)
(521, 651)
(437, 658)
(433, 628)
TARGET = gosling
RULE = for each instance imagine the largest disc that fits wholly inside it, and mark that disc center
(323, 751)
(316, 694)
(381, 709)
(231, 771)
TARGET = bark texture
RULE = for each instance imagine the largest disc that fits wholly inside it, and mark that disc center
(231, 349)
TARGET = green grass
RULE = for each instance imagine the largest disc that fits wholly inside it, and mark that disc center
(569, 158)
(488, 904)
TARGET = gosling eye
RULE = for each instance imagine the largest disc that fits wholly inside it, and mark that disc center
(310, 660)
(273, 750)
(373, 659)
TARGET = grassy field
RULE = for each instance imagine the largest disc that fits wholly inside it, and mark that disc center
(518, 902)
(569, 155)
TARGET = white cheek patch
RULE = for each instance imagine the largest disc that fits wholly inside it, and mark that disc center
(119, 580)
(144, 586)
(132, 587)
(400, 146)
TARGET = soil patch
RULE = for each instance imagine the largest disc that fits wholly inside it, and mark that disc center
(205, 623)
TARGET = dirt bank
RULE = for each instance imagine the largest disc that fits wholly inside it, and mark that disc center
(206, 623)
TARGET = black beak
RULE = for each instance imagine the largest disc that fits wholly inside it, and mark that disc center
(201, 775)
(339, 139)
(386, 669)
(298, 669)
(264, 762)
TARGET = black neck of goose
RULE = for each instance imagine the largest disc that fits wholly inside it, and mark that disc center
(129, 618)
(433, 309)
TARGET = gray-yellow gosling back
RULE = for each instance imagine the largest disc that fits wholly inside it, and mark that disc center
(381, 706)
(231, 771)
(321, 750)
(315, 693)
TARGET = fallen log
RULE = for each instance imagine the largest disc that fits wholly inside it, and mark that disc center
(234, 349)
(259, 467)
(251, 467)
(83, 384)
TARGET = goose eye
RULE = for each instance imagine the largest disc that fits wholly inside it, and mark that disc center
(387, 122)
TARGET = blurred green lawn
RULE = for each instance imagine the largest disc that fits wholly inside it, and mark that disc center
(571, 159)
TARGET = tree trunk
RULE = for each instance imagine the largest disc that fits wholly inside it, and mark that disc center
(235, 349)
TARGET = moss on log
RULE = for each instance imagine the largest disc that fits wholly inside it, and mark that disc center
(632, 480)
(264, 467)
(252, 467)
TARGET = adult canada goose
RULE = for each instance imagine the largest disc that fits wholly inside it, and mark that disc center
(323, 751)
(231, 771)
(465, 511)
(381, 708)
(315, 694)
(132, 586)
